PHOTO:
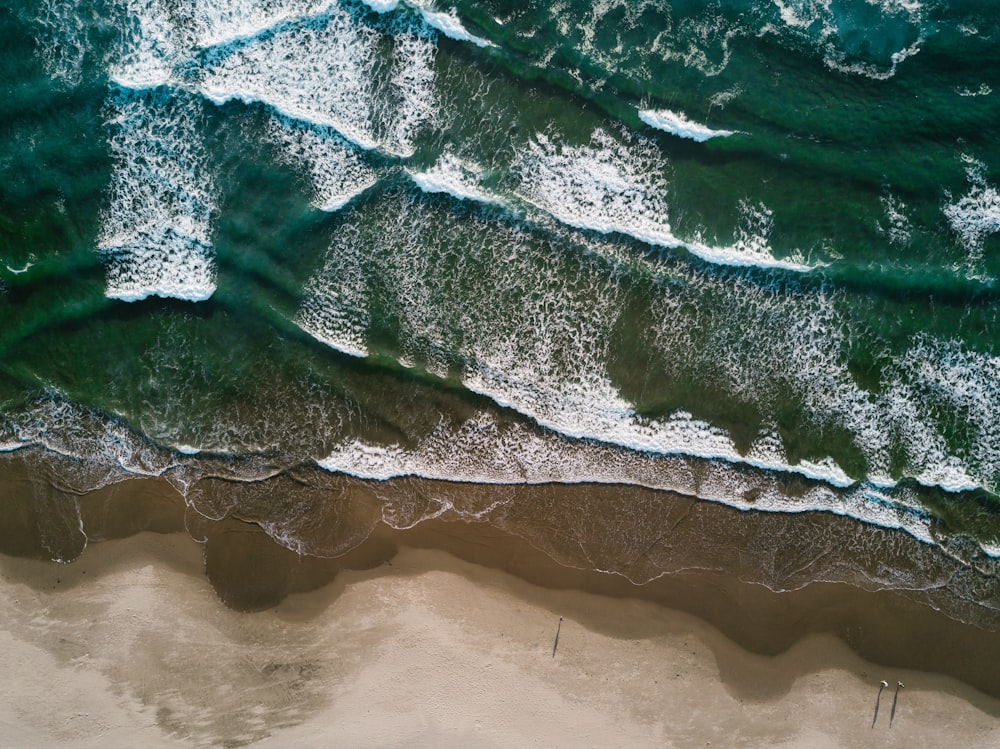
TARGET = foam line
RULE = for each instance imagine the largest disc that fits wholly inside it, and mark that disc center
(456, 177)
(544, 360)
(337, 173)
(450, 25)
(533, 333)
(609, 187)
(679, 125)
(482, 451)
(105, 447)
(334, 309)
(606, 418)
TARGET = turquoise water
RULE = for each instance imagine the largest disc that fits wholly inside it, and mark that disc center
(744, 251)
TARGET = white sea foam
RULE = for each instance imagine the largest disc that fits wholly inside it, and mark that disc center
(382, 6)
(150, 47)
(841, 31)
(156, 228)
(722, 98)
(609, 186)
(791, 15)
(604, 187)
(481, 451)
(705, 41)
(456, 177)
(737, 257)
(752, 242)
(413, 81)
(544, 357)
(337, 172)
(217, 22)
(320, 72)
(18, 271)
(335, 306)
(983, 90)
(838, 61)
(307, 60)
(109, 449)
(899, 229)
(679, 125)
(975, 215)
(450, 25)
(963, 390)
(63, 38)
(764, 346)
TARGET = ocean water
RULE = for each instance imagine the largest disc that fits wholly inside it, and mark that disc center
(744, 251)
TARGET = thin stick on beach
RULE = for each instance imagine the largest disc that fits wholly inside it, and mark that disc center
(892, 714)
(882, 686)
(556, 643)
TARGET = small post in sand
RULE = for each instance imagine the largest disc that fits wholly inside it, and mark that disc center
(892, 714)
(882, 686)
(556, 643)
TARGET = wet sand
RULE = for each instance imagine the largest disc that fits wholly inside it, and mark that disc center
(131, 646)
(442, 635)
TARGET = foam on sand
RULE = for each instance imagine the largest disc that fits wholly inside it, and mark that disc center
(156, 228)
(679, 125)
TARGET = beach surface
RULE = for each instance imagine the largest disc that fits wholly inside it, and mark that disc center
(131, 645)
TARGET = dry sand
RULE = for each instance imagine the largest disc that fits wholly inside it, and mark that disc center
(131, 646)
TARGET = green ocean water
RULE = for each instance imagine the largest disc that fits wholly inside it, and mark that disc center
(744, 251)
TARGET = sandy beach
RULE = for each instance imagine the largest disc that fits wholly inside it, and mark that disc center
(130, 645)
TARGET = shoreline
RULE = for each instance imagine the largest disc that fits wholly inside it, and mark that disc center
(130, 645)
(898, 629)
